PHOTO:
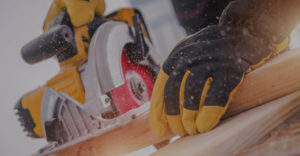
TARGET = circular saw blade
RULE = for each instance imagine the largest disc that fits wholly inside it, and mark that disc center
(138, 86)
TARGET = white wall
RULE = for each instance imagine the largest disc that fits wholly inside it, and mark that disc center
(20, 22)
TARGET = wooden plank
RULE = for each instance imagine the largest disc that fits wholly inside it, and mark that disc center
(234, 135)
(283, 140)
(120, 141)
(277, 78)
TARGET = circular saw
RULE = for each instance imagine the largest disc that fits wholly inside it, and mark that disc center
(105, 81)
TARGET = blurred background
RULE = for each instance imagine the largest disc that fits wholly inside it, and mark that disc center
(21, 21)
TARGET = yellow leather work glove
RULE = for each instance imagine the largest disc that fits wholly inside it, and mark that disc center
(81, 12)
(199, 78)
(197, 81)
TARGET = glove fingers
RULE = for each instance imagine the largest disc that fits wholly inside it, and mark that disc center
(157, 118)
(195, 89)
(217, 99)
(172, 103)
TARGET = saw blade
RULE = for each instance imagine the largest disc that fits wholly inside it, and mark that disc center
(138, 86)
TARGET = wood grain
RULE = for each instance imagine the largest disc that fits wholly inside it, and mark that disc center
(234, 135)
(277, 78)
(283, 140)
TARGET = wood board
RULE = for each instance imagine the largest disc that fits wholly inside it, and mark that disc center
(283, 140)
(235, 134)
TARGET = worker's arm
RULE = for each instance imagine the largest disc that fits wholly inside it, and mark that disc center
(81, 12)
(194, 15)
(272, 20)
(202, 73)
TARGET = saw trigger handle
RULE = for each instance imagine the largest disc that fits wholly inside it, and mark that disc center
(58, 41)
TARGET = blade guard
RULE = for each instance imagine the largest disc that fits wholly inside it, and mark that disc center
(104, 71)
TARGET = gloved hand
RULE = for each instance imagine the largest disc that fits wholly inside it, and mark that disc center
(81, 12)
(200, 76)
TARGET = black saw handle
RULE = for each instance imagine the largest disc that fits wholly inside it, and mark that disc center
(59, 41)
